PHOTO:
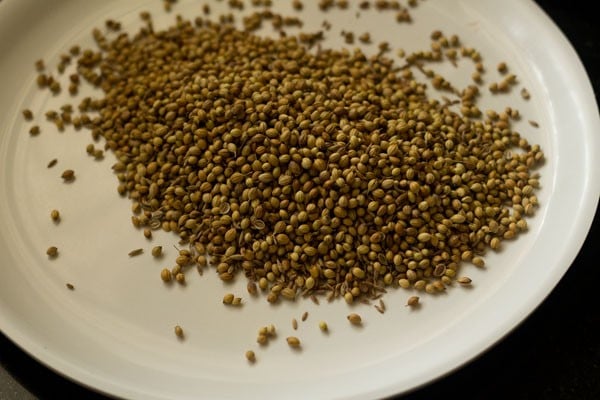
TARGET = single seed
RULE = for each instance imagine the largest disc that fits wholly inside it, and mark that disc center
(412, 301)
(52, 163)
(70, 286)
(304, 315)
(323, 326)
(463, 280)
(157, 251)
(250, 356)
(55, 215)
(52, 251)
(180, 278)
(68, 175)
(354, 319)
(228, 298)
(34, 130)
(135, 252)
(166, 275)
(178, 331)
(293, 341)
(294, 324)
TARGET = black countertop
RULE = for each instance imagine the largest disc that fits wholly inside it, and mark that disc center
(553, 354)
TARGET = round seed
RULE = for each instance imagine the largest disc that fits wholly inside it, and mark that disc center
(55, 215)
(52, 251)
(178, 331)
(354, 319)
(293, 341)
(250, 356)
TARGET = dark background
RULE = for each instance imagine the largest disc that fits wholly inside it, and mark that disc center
(553, 354)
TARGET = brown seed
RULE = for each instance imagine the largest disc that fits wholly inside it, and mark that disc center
(304, 315)
(463, 280)
(293, 341)
(157, 251)
(52, 251)
(228, 298)
(178, 331)
(70, 286)
(52, 163)
(135, 252)
(68, 175)
(165, 275)
(294, 323)
(250, 356)
(34, 130)
(55, 215)
(413, 301)
(354, 319)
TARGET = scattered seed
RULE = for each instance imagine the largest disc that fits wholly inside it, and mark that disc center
(70, 286)
(34, 130)
(157, 251)
(463, 280)
(323, 326)
(68, 175)
(55, 215)
(228, 298)
(178, 331)
(52, 251)
(250, 356)
(293, 341)
(304, 315)
(294, 324)
(52, 163)
(165, 275)
(135, 252)
(525, 94)
(534, 124)
(413, 301)
(354, 319)
(27, 114)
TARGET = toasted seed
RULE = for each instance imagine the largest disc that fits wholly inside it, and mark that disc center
(323, 326)
(304, 315)
(413, 301)
(250, 356)
(228, 298)
(354, 319)
(463, 280)
(52, 163)
(157, 251)
(34, 130)
(293, 341)
(294, 323)
(27, 114)
(55, 215)
(70, 286)
(178, 331)
(165, 275)
(52, 251)
(68, 175)
(135, 252)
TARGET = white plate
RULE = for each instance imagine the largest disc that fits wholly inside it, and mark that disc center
(114, 332)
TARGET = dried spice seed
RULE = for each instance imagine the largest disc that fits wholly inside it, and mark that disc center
(278, 175)
(70, 286)
(293, 341)
(157, 251)
(228, 298)
(178, 331)
(68, 175)
(412, 301)
(52, 163)
(135, 252)
(354, 319)
(323, 326)
(165, 275)
(52, 251)
(250, 356)
(34, 130)
(27, 114)
(304, 316)
(463, 280)
(55, 215)
(294, 324)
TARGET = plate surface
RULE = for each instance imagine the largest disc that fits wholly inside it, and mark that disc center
(114, 332)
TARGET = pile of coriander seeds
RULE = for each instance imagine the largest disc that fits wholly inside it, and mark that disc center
(306, 170)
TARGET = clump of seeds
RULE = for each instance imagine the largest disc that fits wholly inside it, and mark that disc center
(328, 172)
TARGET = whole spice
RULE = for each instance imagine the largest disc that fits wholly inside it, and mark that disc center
(354, 319)
(413, 301)
(157, 251)
(293, 341)
(178, 331)
(328, 172)
(55, 215)
(68, 175)
(323, 326)
(135, 252)
(52, 251)
(250, 356)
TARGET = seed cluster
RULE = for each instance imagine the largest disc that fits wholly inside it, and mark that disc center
(308, 172)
